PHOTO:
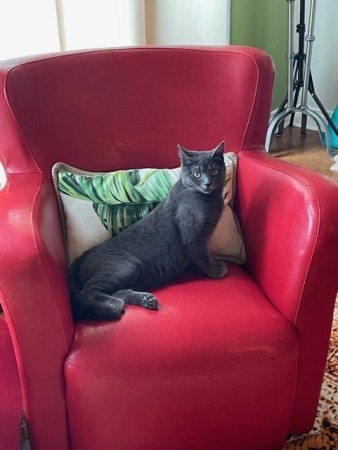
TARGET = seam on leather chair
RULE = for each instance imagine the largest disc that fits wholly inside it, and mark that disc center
(193, 375)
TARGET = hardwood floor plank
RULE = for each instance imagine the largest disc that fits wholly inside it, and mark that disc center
(305, 151)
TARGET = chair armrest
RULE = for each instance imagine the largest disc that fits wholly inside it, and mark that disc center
(34, 295)
(289, 220)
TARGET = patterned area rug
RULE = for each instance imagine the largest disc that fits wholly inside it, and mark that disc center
(324, 434)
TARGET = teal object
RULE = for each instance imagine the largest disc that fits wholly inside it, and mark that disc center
(333, 136)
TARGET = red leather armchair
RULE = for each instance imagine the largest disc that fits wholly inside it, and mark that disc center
(233, 364)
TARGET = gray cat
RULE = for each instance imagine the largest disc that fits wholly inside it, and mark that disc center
(157, 248)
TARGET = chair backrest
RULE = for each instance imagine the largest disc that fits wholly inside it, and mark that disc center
(99, 110)
(122, 108)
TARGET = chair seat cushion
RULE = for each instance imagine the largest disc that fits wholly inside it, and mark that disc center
(212, 343)
(203, 326)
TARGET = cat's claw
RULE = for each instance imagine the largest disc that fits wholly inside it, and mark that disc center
(149, 301)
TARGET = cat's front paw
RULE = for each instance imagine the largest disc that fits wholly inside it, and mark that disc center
(218, 270)
(149, 301)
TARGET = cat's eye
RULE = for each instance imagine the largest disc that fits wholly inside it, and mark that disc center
(215, 172)
(197, 175)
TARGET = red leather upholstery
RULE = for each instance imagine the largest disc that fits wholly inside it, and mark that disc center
(224, 364)
(10, 405)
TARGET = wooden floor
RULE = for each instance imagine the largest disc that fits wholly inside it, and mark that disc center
(303, 150)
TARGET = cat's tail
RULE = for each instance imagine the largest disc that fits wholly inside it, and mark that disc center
(90, 307)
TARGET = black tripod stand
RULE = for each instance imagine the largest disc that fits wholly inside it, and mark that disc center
(300, 80)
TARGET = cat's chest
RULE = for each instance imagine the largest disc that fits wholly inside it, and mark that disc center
(199, 212)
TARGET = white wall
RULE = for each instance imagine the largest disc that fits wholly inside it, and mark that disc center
(41, 26)
(101, 23)
(27, 27)
(325, 53)
(324, 66)
(188, 22)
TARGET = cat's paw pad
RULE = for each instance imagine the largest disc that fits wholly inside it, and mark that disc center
(149, 301)
(219, 270)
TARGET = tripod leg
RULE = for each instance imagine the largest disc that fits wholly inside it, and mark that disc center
(309, 43)
(279, 110)
(298, 85)
(304, 119)
(282, 105)
(280, 129)
(303, 125)
(273, 125)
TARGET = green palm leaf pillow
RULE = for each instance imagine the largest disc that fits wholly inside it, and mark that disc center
(95, 206)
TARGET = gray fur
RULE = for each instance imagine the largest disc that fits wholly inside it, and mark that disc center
(158, 247)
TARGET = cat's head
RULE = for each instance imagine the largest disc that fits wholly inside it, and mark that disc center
(203, 171)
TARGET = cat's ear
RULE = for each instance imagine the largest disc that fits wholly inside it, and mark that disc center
(219, 150)
(184, 154)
